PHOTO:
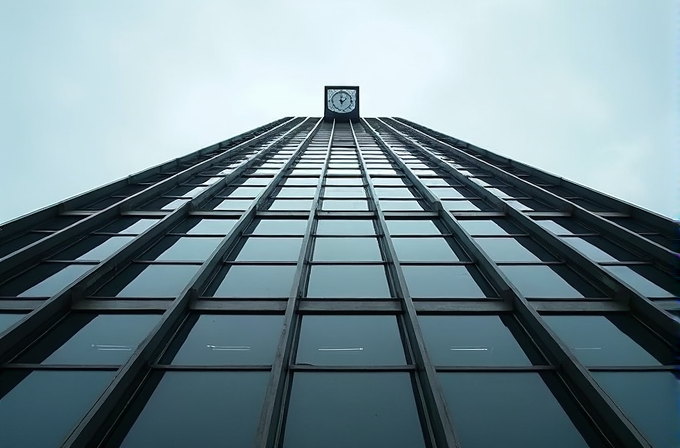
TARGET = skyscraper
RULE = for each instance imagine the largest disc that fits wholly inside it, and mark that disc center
(334, 282)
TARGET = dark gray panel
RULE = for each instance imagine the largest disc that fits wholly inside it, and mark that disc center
(141, 280)
(350, 341)
(345, 227)
(346, 249)
(182, 249)
(359, 410)
(440, 282)
(7, 320)
(338, 281)
(423, 249)
(280, 227)
(94, 248)
(270, 249)
(247, 281)
(412, 227)
(44, 280)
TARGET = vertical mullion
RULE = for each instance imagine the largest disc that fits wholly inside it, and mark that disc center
(444, 433)
(617, 427)
(648, 311)
(272, 416)
(59, 303)
(130, 372)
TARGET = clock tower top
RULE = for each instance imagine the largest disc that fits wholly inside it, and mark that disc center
(341, 102)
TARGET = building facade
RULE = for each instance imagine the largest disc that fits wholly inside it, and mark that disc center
(334, 282)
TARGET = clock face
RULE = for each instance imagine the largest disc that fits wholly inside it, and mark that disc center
(341, 101)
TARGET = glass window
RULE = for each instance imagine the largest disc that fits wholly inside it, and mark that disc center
(345, 227)
(513, 249)
(634, 277)
(463, 206)
(165, 204)
(7, 320)
(270, 249)
(174, 248)
(42, 407)
(562, 226)
(393, 192)
(400, 205)
(599, 250)
(606, 340)
(340, 204)
(291, 204)
(219, 339)
(649, 400)
(520, 407)
(301, 181)
(343, 172)
(488, 227)
(130, 226)
(209, 227)
(435, 182)
(91, 339)
(387, 181)
(296, 192)
(452, 193)
(439, 282)
(148, 280)
(344, 192)
(247, 281)
(412, 227)
(423, 249)
(465, 340)
(206, 409)
(44, 280)
(280, 227)
(232, 204)
(350, 181)
(94, 248)
(350, 281)
(245, 192)
(544, 281)
(350, 341)
(358, 410)
(346, 249)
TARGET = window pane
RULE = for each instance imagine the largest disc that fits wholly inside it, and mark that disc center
(130, 225)
(44, 280)
(354, 181)
(140, 280)
(601, 341)
(291, 204)
(182, 249)
(296, 192)
(350, 341)
(54, 400)
(649, 399)
(210, 227)
(562, 226)
(339, 204)
(520, 408)
(646, 287)
(231, 204)
(387, 181)
(472, 341)
(438, 282)
(202, 409)
(7, 320)
(344, 192)
(423, 249)
(218, 339)
(358, 410)
(245, 192)
(513, 249)
(488, 227)
(542, 281)
(345, 227)
(411, 227)
(346, 249)
(599, 249)
(90, 339)
(280, 227)
(400, 205)
(270, 249)
(337, 281)
(383, 192)
(246, 281)
(94, 248)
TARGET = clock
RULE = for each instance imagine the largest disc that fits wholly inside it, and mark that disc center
(342, 103)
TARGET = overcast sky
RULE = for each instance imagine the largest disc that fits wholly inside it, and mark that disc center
(94, 90)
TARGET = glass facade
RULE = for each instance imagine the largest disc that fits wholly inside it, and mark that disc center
(332, 283)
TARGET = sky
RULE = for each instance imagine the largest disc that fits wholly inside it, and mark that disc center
(94, 90)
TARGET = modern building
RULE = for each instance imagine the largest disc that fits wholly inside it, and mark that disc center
(339, 282)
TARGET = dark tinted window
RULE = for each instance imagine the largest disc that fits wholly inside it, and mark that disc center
(217, 339)
(513, 249)
(336, 281)
(350, 341)
(346, 249)
(270, 249)
(206, 227)
(44, 280)
(345, 227)
(142, 280)
(247, 281)
(94, 248)
(91, 339)
(359, 410)
(7, 320)
(543, 282)
(412, 227)
(182, 249)
(280, 227)
(520, 408)
(202, 409)
(423, 249)
(441, 282)
(42, 409)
